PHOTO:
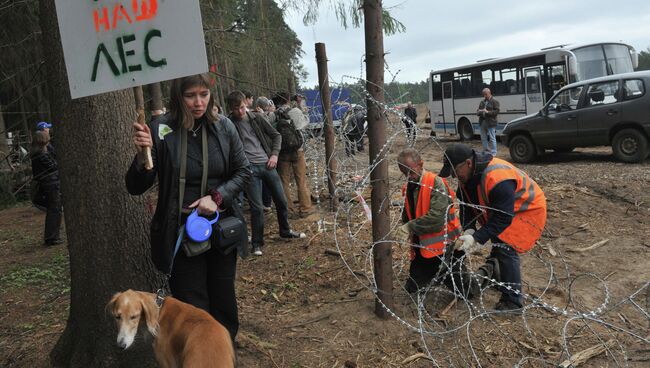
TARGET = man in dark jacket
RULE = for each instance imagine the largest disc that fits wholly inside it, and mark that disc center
(510, 207)
(487, 112)
(410, 121)
(262, 145)
(45, 174)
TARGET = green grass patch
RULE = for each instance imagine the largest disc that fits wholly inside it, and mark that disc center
(55, 274)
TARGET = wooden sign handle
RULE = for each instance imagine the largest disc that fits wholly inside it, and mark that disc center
(139, 106)
(148, 161)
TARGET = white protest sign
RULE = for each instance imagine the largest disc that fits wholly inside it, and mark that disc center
(110, 45)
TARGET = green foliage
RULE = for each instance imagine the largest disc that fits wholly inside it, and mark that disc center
(348, 13)
(250, 42)
(54, 274)
(394, 92)
(644, 60)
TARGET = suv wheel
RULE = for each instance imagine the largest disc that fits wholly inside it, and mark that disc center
(630, 145)
(465, 130)
(522, 149)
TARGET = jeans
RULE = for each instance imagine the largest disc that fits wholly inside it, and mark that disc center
(207, 281)
(295, 161)
(254, 193)
(266, 196)
(510, 272)
(489, 139)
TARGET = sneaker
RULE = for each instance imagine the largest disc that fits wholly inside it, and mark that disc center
(257, 251)
(507, 306)
(293, 235)
(50, 243)
(267, 208)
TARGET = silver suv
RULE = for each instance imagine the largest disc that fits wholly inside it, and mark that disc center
(612, 110)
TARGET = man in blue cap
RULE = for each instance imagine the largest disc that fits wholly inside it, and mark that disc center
(45, 127)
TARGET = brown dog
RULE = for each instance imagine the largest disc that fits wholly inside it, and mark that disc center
(185, 336)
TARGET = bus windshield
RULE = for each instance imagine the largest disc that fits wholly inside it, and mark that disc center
(600, 60)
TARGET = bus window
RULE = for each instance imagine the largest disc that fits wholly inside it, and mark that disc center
(487, 76)
(446, 91)
(557, 77)
(618, 59)
(591, 62)
(462, 84)
(436, 87)
(508, 81)
(532, 85)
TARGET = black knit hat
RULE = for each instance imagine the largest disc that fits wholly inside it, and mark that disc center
(455, 154)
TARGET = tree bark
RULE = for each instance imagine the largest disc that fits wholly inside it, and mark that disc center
(156, 102)
(382, 252)
(107, 229)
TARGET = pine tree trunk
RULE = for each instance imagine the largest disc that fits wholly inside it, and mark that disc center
(382, 252)
(107, 229)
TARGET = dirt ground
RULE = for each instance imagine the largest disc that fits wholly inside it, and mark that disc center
(302, 306)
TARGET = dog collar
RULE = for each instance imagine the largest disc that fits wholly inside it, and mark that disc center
(160, 298)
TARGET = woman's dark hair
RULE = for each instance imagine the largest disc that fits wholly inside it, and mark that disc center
(179, 112)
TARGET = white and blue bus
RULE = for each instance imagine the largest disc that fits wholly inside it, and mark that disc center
(522, 83)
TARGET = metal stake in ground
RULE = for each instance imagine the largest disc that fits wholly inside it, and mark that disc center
(323, 83)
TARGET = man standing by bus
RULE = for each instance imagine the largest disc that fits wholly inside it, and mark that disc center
(487, 113)
(509, 206)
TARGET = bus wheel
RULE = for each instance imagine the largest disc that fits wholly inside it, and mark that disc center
(630, 145)
(522, 149)
(465, 130)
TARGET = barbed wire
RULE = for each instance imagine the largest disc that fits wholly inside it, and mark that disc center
(563, 312)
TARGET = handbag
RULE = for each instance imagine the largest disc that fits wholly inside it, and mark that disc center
(192, 248)
(229, 232)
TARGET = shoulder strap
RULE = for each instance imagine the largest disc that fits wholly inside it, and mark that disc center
(183, 161)
(183, 169)
(204, 149)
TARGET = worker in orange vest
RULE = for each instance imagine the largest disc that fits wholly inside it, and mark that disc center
(431, 226)
(509, 207)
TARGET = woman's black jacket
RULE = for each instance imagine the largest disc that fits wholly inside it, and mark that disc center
(165, 154)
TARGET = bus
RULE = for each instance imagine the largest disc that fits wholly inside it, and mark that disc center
(522, 83)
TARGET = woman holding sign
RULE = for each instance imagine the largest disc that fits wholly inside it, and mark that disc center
(200, 164)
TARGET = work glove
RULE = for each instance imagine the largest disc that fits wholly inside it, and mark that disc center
(466, 241)
(403, 233)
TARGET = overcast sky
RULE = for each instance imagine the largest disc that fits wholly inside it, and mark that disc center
(441, 34)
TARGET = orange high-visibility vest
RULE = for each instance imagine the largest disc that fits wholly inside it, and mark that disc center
(433, 244)
(530, 204)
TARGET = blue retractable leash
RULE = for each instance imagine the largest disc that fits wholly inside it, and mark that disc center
(197, 230)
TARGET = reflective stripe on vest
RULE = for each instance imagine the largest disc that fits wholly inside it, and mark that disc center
(530, 204)
(433, 244)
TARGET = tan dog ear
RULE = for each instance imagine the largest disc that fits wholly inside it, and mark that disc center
(110, 306)
(151, 313)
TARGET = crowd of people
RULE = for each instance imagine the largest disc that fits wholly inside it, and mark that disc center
(210, 162)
